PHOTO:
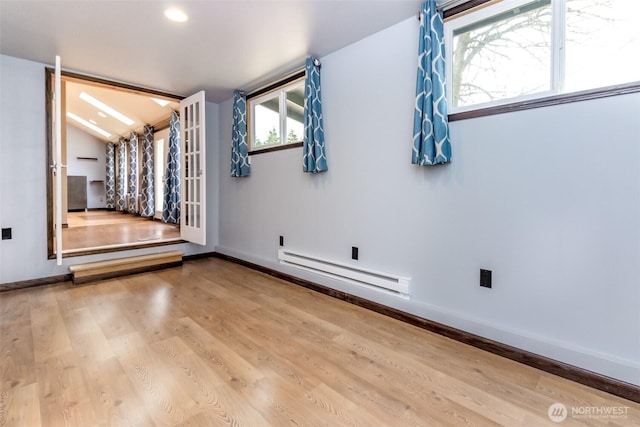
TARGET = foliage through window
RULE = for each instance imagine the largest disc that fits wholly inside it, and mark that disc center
(518, 49)
(276, 117)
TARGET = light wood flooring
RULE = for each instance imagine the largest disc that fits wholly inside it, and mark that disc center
(100, 228)
(213, 343)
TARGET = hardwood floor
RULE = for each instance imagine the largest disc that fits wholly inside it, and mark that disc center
(100, 228)
(213, 343)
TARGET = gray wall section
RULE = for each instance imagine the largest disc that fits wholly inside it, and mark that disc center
(81, 144)
(23, 178)
(548, 198)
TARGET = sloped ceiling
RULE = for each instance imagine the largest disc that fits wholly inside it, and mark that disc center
(142, 109)
(225, 44)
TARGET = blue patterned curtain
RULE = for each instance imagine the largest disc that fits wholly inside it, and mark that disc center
(431, 144)
(171, 204)
(147, 202)
(110, 177)
(314, 159)
(132, 205)
(239, 148)
(122, 175)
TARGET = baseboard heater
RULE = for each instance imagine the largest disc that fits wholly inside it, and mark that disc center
(346, 272)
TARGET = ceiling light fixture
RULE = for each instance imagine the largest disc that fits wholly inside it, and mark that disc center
(161, 102)
(89, 125)
(93, 121)
(104, 107)
(101, 114)
(175, 14)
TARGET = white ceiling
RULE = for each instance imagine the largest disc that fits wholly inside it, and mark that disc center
(137, 107)
(224, 45)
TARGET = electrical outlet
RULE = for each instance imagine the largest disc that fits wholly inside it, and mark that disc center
(485, 278)
(354, 252)
(6, 234)
(281, 240)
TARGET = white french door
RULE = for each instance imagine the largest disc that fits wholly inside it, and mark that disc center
(193, 217)
(57, 162)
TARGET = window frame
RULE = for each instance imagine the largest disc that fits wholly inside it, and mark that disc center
(280, 88)
(476, 10)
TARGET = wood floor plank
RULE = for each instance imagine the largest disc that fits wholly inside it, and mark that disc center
(165, 401)
(50, 337)
(213, 343)
(205, 387)
(20, 407)
(114, 398)
(63, 394)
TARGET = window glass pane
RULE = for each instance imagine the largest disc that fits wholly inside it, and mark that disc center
(295, 113)
(603, 42)
(266, 122)
(503, 56)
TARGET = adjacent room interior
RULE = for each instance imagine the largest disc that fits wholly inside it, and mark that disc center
(95, 114)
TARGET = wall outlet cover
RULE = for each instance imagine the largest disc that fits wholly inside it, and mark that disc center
(6, 234)
(485, 278)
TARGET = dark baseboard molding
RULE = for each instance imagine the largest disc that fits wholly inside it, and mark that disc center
(52, 280)
(564, 370)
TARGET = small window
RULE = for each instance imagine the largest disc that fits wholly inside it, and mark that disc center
(517, 50)
(276, 118)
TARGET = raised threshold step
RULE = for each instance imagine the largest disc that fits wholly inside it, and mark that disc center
(101, 270)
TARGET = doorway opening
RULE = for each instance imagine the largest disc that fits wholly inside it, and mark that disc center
(96, 113)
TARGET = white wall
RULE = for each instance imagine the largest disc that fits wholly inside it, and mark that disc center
(81, 144)
(549, 199)
(23, 178)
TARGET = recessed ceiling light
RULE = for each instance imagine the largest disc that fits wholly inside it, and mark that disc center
(175, 14)
(104, 107)
(161, 102)
(89, 125)
(101, 114)
(93, 121)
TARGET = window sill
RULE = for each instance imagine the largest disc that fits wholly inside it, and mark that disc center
(548, 101)
(276, 148)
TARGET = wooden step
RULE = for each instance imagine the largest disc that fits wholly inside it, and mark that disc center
(101, 270)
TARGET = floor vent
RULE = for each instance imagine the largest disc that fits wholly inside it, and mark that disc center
(346, 272)
(101, 270)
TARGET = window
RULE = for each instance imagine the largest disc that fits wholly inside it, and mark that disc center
(518, 50)
(276, 117)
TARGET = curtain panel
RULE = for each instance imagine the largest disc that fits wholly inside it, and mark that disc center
(171, 203)
(147, 193)
(314, 158)
(239, 148)
(110, 176)
(121, 175)
(132, 199)
(431, 144)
